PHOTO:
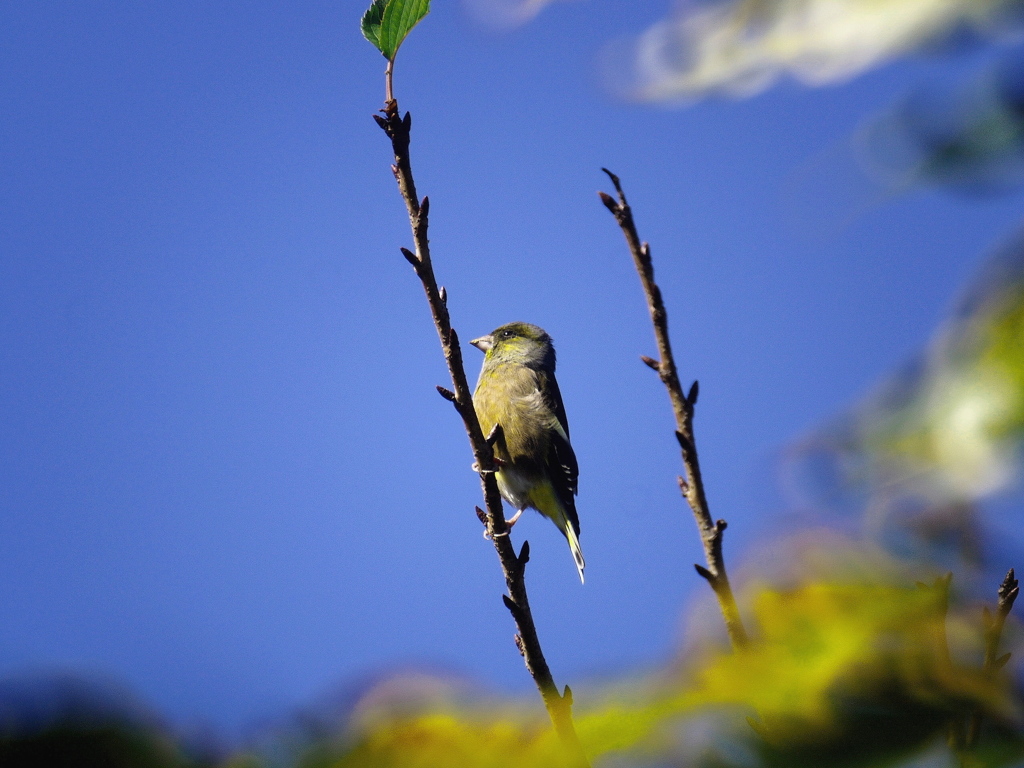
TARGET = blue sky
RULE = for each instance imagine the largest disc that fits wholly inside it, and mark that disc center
(225, 476)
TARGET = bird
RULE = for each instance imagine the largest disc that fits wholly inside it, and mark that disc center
(536, 465)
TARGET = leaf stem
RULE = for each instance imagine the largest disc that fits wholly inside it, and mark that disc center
(388, 79)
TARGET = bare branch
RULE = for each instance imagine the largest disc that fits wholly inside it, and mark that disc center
(558, 706)
(692, 487)
(1006, 595)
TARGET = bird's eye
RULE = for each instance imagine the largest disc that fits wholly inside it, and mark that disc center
(506, 334)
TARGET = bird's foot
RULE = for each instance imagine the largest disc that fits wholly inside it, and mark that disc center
(498, 464)
(508, 526)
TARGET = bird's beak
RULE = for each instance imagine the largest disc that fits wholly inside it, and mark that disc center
(483, 343)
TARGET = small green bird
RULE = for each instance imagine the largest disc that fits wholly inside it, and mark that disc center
(536, 464)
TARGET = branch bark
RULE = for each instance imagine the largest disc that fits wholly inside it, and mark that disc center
(559, 705)
(692, 486)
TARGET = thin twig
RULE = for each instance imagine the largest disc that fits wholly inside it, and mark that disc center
(559, 705)
(692, 487)
(1007, 594)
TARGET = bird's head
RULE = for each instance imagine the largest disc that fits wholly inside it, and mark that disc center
(520, 343)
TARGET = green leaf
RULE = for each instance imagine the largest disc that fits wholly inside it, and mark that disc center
(372, 22)
(399, 17)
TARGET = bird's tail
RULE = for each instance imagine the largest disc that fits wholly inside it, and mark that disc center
(544, 499)
(574, 547)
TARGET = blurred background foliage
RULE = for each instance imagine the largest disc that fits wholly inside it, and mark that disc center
(852, 662)
(842, 673)
(913, 461)
(69, 721)
(844, 670)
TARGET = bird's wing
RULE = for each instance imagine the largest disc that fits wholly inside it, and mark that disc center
(548, 386)
(561, 460)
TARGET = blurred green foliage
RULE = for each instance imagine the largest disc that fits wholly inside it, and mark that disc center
(100, 745)
(915, 462)
(840, 674)
(66, 723)
(845, 673)
(960, 427)
(966, 136)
